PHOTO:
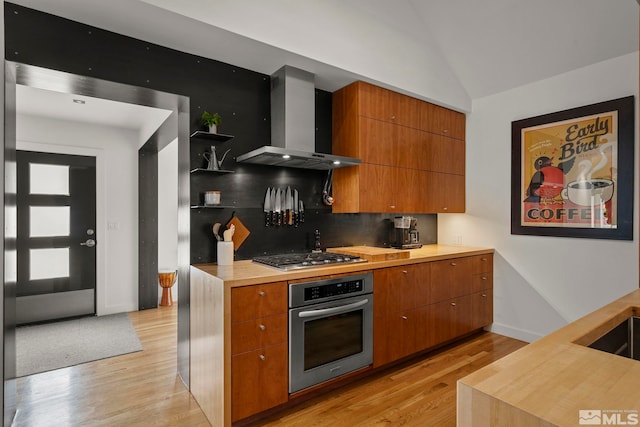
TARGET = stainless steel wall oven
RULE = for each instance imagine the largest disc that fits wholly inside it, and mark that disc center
(330, 329)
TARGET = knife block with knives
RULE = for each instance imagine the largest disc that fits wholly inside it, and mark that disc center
(282, 207)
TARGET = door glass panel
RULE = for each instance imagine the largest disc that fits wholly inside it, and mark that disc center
(48, 179)
(48, 263)
(49, 221)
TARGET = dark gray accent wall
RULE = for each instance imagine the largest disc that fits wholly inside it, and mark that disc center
(242, 99)
(148, 209)
(147, 227)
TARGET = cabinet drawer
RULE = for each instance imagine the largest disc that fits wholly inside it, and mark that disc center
(482, 309)
(450, 278)
(481, 282)
(482, 263)
(257, 333)
(251, 302)
(401, 288)
(259, 381)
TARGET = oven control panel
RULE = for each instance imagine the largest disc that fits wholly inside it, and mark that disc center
(312, 292)
(324, 291)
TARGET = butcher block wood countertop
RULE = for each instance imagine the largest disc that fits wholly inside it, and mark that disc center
(549, 381)
(243, 273)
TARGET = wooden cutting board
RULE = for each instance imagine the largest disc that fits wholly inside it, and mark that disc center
(240, 234)
(371, 253)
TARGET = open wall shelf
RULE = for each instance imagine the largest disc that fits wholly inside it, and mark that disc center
(210, 137)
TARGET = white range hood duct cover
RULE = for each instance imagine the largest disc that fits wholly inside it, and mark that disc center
(293, 126)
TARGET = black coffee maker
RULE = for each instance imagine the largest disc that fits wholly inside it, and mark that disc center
(406, 233)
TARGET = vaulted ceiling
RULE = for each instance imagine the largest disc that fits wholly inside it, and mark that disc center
(486, 46)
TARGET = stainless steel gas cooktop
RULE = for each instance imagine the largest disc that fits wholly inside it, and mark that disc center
(306, 260)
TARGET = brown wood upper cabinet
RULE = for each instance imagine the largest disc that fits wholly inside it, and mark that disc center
(389, 106)
(412, 152)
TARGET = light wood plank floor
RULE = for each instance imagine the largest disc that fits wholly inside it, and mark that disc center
(136, 389)
(143, 389)
(417, 393)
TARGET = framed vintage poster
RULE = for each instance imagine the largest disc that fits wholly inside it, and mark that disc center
(572, 172)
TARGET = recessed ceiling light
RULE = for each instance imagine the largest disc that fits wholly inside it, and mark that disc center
(78, 101)
(286, 156)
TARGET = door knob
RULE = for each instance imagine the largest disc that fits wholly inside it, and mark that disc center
(89, 243)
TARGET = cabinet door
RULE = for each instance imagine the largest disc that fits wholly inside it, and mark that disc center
(259, 380)
(396, 293)
(441, 324)
(396, 335)
(410, 194)
(257, 333)
(442, 121)
(346, 189)
(446, 193)
(422, 150)
(380, 142)
(407, 110)
(444, 154)
(376, 102)
(378, 188)
(251, 302)
(423, 333)
(412, 148)
(450, 319)
(450, 278)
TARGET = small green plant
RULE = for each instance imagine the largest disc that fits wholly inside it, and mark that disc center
(209, 119)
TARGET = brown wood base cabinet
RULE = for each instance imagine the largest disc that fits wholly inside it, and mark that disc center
(239, 335)
(259, 346)
(421, 306)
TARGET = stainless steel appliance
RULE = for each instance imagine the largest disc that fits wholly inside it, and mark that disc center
(406, 233)
(295, 261)
(293, 126)
(330, 329)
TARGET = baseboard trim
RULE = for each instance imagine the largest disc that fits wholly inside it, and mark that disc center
(519, 334)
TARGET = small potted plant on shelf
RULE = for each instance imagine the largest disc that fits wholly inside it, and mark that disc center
(211, 120)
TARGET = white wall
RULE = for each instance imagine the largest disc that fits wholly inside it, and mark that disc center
(117, 198)
(168, 212)
(541, 283)
(372, 41)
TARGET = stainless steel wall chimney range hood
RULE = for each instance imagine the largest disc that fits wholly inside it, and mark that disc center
(293, 126)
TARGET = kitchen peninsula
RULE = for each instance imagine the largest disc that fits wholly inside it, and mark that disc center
(240, 332)
(558, 380)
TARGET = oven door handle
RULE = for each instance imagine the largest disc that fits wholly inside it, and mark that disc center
(333, 310)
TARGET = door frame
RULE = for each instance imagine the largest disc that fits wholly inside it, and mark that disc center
(176, 125)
